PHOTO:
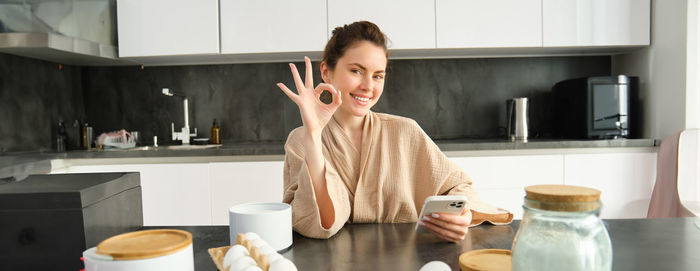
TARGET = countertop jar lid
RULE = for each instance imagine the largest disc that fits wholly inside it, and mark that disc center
(561, 193)
(557, 197)
(486, 259)
(145, 244)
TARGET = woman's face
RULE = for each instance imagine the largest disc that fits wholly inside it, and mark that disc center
(359, 75)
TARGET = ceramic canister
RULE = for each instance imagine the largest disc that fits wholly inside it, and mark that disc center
(272, 221)
(163, 249)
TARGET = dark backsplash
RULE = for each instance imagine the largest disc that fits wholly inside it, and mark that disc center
(34, 95)
(449, 98)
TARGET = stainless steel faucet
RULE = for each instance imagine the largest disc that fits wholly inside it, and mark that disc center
(184, 133)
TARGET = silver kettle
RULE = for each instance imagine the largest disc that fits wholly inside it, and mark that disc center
(517, 114)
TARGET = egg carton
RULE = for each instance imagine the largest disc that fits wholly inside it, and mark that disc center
(250, 253)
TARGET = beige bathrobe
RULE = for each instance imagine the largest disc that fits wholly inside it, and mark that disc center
(386, 181)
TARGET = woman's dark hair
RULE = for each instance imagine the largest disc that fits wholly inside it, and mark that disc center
(346, 36)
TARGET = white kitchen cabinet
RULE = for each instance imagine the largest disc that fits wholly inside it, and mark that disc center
(626, 180)
(168, 27)
(270, 26)
(200, 193)
(488, 23)
(243, 182)
(172, 194)
(501, 180)
(595, 22)
(182, 32)
(408, 24)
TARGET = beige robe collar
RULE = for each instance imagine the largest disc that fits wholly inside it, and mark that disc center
(353, 163)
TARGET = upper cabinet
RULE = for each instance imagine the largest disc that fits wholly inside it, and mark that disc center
(595, 22)
(182, 32)
(167, 27)
(488, 23)
(266, 26)
(409, 24)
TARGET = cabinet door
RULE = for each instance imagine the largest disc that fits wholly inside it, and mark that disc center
(488, 23)
(595, 22)
(242, 182)
(172, 194)
(408, 24)
(264, 26)
(501, 180)
(167, 27)
(626, 180)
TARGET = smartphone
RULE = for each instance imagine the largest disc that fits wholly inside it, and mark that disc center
(453, 204)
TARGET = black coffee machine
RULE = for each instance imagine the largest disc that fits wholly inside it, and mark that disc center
(604, 107)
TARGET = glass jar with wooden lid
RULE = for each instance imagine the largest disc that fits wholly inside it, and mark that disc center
(561, 230)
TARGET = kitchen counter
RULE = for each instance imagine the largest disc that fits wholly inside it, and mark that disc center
(18, 166)
(638, 244)
(477, 145)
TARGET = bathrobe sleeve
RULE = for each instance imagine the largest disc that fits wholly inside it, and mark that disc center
(299, 192)
(451, 179)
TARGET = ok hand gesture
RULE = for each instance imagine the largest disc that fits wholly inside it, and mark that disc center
(314, 113)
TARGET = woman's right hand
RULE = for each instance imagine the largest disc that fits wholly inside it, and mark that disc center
(314, 113)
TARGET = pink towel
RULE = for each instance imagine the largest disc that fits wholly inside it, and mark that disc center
(664, 199)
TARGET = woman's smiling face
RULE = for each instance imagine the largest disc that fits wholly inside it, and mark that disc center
(359, 75)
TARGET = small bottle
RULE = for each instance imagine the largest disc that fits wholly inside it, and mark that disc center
(77, 140)
(84, 138)
(215, 139)
(60, 137)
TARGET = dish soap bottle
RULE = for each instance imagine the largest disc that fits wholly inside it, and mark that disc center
(215, 139)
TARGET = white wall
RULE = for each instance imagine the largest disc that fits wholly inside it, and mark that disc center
(662, 69)
(692, 97)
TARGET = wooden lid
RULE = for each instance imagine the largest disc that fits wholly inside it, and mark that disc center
(486, 259)
(561, 193)
(145, 244)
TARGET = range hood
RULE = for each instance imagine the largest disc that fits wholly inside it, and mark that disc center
(73, 32)
(60, 49)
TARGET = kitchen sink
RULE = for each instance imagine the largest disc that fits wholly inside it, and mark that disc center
(189, 147)
(170, 147)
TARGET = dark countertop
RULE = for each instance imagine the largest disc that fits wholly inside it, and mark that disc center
(638, 244)
(18, 165)
(473, 145)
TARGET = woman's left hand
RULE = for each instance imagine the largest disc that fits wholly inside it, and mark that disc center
(450, 227)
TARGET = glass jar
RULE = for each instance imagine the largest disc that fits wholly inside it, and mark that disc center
(561, 230)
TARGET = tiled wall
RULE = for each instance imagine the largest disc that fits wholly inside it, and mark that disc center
(449, 98)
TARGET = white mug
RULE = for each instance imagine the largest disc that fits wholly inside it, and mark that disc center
(272, 221)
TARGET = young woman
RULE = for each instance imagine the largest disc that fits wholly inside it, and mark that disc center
(349, 164)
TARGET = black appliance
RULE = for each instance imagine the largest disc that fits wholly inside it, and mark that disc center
(47, 221)
(602, 107)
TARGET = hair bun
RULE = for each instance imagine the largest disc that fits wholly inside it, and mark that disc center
(343, 37)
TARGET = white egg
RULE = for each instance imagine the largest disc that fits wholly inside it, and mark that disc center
(266, 249)
(435, 266)
(273, 256)
(242, 263)
(251, 236)
(259, 243)
(252, 268)
(233, 254)
(282, 264)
